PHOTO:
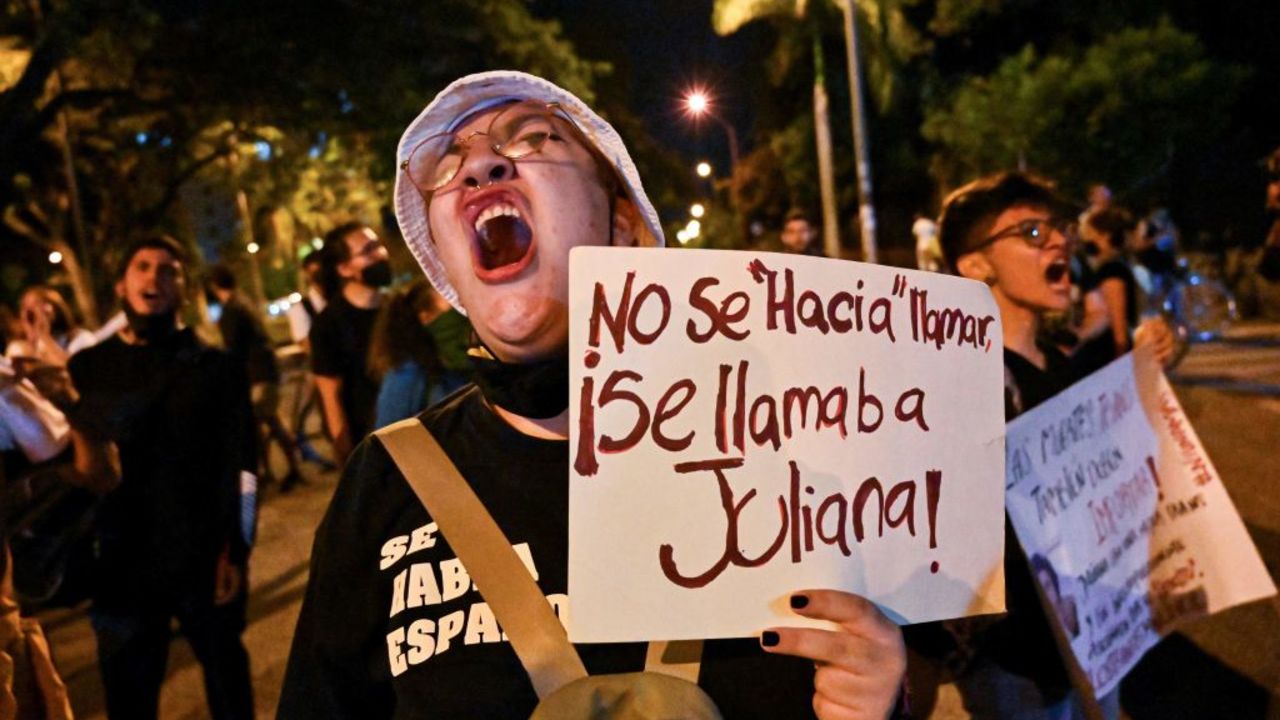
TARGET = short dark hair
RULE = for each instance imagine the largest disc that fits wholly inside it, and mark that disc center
(797, 214)
(397, 333)
(1041, 564)
(152, 242)
(221, 277)
(968, 211)
(1112, 222)
(333, 253)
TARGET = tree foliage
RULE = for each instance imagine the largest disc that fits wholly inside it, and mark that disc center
(299, 108)
(1117, 110)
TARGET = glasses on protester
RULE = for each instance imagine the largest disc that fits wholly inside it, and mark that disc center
(1035, 232)
(517, 132)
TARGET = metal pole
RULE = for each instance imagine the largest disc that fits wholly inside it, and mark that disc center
(734, 199)
(866, 210)
(826, 162)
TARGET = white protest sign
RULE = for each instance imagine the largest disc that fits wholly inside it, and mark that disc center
(745, 425)
(1126, 523)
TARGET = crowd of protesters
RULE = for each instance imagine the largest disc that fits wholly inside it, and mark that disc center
(133, 453)
(170, 435)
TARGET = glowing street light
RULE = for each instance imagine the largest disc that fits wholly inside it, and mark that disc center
(682, 236)
(698, 104)
(252, 248)
(703, 169)
(697, 210)
(55, 257)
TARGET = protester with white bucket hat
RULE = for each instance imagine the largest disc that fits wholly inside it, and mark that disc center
(499, 177)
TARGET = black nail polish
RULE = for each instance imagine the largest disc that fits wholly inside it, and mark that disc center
(769, 638)
(799, 601)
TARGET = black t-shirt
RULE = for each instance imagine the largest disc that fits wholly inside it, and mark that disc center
(1100, 350)
(1022, 642)
(246, 340)
(179, 413)
(391, 626)
(340, 348)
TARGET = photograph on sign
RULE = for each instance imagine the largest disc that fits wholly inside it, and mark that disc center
(745, 425)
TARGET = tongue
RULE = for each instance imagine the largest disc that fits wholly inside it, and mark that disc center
(503, 240)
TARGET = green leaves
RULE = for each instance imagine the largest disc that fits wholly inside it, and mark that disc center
(1117, 109)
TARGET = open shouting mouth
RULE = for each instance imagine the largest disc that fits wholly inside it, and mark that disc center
(502, 243)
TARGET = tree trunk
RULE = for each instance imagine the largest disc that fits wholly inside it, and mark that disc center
(826, 165)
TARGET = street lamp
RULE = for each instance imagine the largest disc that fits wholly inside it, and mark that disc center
(697, 210)
(703, 169)
(698, 104)
(55, 257)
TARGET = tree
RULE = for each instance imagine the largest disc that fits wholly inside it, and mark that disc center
(889, 41)
(1116, 110)
(161, 95)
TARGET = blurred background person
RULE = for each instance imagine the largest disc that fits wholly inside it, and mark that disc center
(799, 234)
(354, 269)
(928, 251)
(417, 352)
(303, 313)
(301, 316)
(48, 330)
(173, 533)
(1103, 236)
(1098, 197)
(245, 338)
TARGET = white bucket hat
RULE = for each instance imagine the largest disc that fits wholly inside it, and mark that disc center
(472, 94)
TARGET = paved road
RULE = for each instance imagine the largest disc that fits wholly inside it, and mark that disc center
(1227, 666)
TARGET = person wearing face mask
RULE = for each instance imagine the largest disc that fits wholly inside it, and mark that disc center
(354, 270)
(502, 175)
(172, 532)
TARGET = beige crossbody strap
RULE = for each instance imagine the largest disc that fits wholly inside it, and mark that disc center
(520, 607)
(677, 658)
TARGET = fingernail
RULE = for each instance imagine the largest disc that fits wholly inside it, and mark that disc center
(769, 638)
(799, 601)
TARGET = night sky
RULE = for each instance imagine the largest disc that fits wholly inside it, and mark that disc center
(660, 48)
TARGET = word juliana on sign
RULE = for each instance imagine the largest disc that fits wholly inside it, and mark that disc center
(745, 425)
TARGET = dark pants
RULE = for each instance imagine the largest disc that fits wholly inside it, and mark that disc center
(133, 649)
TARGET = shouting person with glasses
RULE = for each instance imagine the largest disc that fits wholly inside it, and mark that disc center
(501, 176)
(1012, 232)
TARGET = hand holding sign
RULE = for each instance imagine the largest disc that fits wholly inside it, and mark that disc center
(864, 657)
(743, 424)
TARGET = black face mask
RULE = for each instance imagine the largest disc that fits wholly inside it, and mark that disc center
(534, 390)
(377, 274)
(151, 328)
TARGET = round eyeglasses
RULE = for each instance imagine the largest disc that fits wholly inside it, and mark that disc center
(520, 130)
(1034, 232)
